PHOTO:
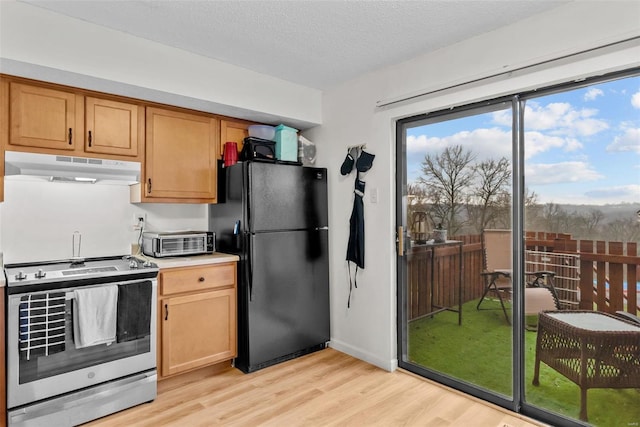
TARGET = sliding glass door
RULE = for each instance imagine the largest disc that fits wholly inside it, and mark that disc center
(458, 183)
(492, 201)
(582, 174)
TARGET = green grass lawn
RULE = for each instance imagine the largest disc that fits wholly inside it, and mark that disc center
(479, 352)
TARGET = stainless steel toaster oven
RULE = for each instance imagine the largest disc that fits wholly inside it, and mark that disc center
(168, 244)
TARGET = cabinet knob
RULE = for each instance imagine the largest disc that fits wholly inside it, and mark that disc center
(89, 138)
(201, 279)
(70, 136)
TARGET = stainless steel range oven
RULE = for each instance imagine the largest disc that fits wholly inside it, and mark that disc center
(81, 339)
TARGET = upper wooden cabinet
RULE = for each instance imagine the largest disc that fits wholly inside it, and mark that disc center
(4, 129)
(178, 148)
(233, 131)
(181, 157)
(113, 127)
(44, 118)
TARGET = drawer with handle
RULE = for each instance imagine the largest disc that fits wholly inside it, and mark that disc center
(189, 279)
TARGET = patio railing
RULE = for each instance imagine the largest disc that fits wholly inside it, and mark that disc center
(609, 271)
(604, 279)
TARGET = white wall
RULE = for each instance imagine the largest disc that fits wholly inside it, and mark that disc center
(39, 219)
(368, 329)
(40, 44)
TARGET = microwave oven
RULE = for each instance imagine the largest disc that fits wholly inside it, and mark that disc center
(180, 243)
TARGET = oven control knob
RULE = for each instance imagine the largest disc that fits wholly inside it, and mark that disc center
(21, 275)
(147, 264)
(40, 274)
(133, 264)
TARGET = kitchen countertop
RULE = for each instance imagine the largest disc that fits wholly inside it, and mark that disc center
(188, 261)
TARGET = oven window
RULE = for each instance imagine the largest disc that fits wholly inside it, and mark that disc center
(71, 359)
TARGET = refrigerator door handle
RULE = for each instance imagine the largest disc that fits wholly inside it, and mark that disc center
(322, 228)
(248, 270)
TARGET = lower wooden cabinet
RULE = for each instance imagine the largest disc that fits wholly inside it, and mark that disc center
(197, 317)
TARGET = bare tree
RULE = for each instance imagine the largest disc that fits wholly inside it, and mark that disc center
(554, 219)
(587, 225)
(622, 230)
(491, 192)
(448, 177)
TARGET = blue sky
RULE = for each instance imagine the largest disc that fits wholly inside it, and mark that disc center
(581, 146)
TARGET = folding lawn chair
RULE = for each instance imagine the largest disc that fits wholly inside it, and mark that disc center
(539, 293)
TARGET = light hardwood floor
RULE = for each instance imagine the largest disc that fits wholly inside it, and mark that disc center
(326, 388)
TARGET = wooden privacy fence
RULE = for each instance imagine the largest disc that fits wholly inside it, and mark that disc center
(589, 275)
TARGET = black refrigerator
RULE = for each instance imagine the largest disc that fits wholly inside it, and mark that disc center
(274, 216)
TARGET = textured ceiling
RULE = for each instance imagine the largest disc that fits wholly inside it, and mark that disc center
(314, 43)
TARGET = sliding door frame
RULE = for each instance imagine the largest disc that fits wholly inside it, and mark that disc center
(512, 402)
(518, 401)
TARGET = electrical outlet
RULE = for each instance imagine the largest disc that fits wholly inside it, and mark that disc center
(139, 220)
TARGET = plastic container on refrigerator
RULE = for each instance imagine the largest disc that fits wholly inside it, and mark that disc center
(286, 143)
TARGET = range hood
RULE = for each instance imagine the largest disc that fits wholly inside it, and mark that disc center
(70, 168)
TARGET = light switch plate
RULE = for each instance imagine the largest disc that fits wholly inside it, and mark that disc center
(373, 195)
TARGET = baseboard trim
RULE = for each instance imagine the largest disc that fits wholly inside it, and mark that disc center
(388, 365)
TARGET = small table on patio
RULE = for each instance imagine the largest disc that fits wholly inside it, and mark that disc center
(434, 307)
(592, 349)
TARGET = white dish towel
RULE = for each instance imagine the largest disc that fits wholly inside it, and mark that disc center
(94, 315)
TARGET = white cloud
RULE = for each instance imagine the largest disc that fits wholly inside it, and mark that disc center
(628, 141)
(560, 173)
(560, 118)
(587, 127)
(483, 143)
(635, 100)
(592, 94)
(537, 143)
(489, 143)
(629, 193)
(592, 196)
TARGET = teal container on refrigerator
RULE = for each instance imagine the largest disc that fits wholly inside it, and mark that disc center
(286, 143)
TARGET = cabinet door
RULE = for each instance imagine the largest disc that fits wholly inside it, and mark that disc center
(181, 155)
(232, 131)
(197, 330)
(43, 118)
(4, 130)
(112, 127)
